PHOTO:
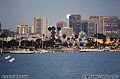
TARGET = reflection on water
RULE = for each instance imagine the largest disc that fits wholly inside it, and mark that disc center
(61, 65)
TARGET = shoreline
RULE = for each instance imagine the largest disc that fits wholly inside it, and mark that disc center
(66, 50)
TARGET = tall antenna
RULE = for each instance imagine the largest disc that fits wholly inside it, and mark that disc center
(103, 23)
(20, 34)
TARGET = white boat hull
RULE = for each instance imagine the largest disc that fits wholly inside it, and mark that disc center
(22, 52)
(91, 50)
(43, 51)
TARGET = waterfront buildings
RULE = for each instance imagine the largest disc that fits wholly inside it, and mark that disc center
(41, 25)
(75, 23)
(61, 24)
(85, 26)
(27, 36)
(109, 25)
(67, 31)
(22, 29)
(93, 26)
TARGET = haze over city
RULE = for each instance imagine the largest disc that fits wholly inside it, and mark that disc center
(12, 11)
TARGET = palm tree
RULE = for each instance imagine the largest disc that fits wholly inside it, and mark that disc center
(53, 28)
(80, 39)
(68, 38)
(53, 33)
(58, 28)
(111, 38)
(76, 36)
(49, 28)
(64, 36)
(3, 36)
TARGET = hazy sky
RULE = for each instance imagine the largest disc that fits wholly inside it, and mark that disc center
(11, 11)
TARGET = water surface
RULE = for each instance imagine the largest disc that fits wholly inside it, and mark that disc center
(61, 65)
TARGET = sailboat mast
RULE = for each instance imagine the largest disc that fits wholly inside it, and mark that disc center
(20, 34)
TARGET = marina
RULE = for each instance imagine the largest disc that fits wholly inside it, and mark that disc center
(28, 50)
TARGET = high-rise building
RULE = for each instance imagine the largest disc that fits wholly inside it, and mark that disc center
(41, 25)
(85, 26)
(93, 25)
(22, 29)
(119, 28)
(75, 23)
(118, 23)
(67, 31)
(61, 24)
(109, 25)
(31, 29)
(91, 29)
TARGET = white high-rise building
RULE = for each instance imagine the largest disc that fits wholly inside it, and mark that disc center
(93, 26)
(41, 25)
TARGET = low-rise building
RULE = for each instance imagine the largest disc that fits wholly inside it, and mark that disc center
(67, 31)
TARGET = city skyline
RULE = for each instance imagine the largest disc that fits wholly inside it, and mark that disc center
(11, 12)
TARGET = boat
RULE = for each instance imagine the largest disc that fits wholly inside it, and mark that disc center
(12, 59)
(7, 57)
(35, 50)
(22, 51)
(106, 49)
(43, 51)
(90, 50)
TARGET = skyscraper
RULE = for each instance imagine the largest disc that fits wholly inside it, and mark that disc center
(61, 24)
(75, 23)
(93, 25)
(85, 26)
(109, 25)
(91, 28)
(41, 25)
